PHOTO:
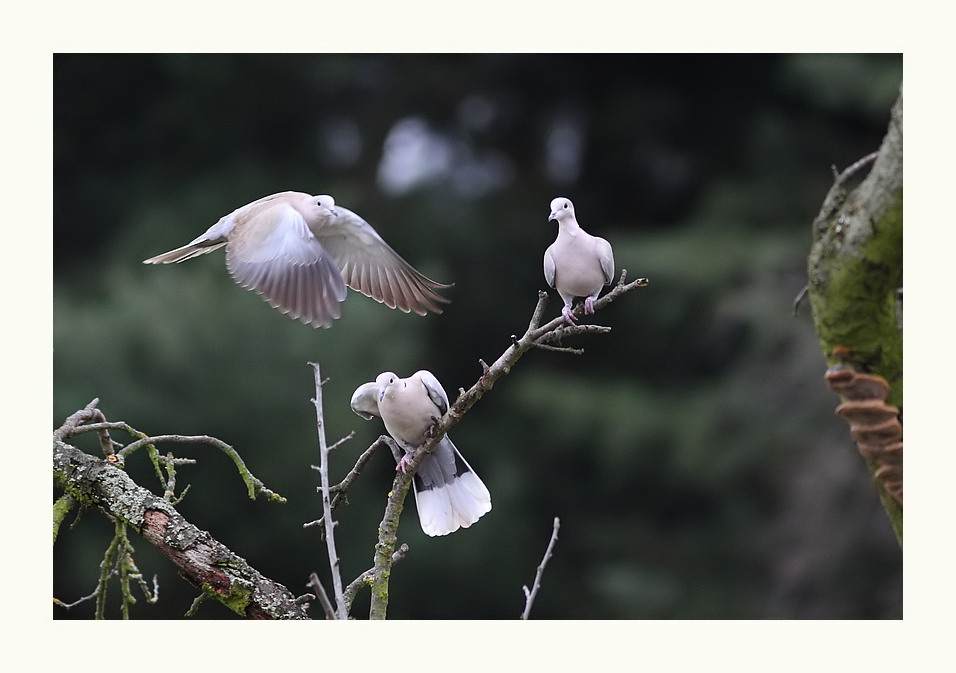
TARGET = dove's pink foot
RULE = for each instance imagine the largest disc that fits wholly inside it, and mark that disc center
(568, 316)
(403, 463)
(589, 305)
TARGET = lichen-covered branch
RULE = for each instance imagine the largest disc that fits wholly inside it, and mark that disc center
(365, 579)
(209, 565)
(535, 335)
(855, 276)
(63, 506)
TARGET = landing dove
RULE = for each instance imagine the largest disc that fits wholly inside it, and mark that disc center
(300, 251)
(448, 493)
(577, 264)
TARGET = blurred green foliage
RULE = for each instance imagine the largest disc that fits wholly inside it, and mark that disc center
(691, 454)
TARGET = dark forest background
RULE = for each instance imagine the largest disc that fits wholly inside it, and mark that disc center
(692, 454)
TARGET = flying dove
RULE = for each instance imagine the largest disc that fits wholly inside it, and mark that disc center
(577, 264)
(300, 251)
(448, 493)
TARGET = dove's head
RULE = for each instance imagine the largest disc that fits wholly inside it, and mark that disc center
(384, 381)
(561, 209)
(318, 208)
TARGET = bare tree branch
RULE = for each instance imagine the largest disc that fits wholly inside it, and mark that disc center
(87, 416)
(535, 334)
(316, 585)
(341, 489)
(340, 611)
(530, 595)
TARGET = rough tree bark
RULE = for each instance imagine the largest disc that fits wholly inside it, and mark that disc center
(206, 563)
(855, 287)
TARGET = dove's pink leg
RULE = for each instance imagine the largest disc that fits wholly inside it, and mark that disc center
(404, 462)
(568, 316)
(589, 305)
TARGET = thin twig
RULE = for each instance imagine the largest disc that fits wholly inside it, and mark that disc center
(117, 561)
(837, 194)
(89, 415)
(57, 601)
(151, 596)
(170, 463)
(254, 486)
(75, 420)
(316, 585)
(106, 569)
(530, 595)
(556, 336)
(342, 441)
(199, 600)
(326, 503)
(799, 299)
(340, 490)
(559, 349)
(853, 169)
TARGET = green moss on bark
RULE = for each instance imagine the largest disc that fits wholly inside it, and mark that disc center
(855, 297)
(855, 276)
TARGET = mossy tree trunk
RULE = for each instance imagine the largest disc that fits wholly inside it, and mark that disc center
(855, 287)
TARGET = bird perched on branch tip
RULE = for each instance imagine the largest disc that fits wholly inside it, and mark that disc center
(577, 264)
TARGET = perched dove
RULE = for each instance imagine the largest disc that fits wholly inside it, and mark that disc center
(300, 251)
(448, 493)
(577, 264)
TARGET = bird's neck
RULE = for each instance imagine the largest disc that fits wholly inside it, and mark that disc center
(569, 227)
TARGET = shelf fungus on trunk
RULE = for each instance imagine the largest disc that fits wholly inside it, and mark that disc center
(875, 426)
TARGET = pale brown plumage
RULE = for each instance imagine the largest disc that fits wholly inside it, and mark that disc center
(300, 251)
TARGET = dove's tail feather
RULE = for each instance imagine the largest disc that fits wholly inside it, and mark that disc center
(446, 508)
(448, 494)
(184, 253)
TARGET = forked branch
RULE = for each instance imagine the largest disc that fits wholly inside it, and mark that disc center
(536, 335)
